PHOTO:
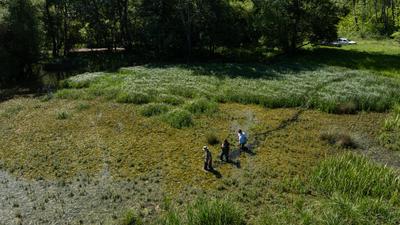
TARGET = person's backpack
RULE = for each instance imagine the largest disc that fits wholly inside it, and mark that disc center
(244, 136)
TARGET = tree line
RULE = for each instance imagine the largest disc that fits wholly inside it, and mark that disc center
(31, 30)
(372, 18)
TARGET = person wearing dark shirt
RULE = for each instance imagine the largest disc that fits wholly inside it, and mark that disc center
(207, 159)
(225, 150)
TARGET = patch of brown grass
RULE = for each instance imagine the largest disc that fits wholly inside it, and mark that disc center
(339, 139)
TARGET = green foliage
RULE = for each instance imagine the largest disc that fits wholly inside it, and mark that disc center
(62, 115)
(355, 176)
(202, 105)
(171, 99)
(154, 109)
(171, 218)
(371, 19)
(288, 24)
(70, 94)
(19, 43)
(179, 118)
(83, 106)
(206, 211)
(133, 97)
(338, 210)
(330, 89)
(130, 218)
(11, 111)
(214, 212)
(396, 37)
(390, 134)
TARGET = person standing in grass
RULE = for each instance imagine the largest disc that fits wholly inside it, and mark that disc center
(207, 159)
(242, 140)
(225, 150)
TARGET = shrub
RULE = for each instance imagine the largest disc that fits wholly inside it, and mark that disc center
(62, 115)
(170, 99)
(390, 134)
(214, 212)
(154, 109)
(133, 97)
(355, 176)
(339, 139)
(186, 92)
(202, 105)
(392, 123)
(82, 106)
(396, 37)
(179, 118)
(212, 139)
(130, 218)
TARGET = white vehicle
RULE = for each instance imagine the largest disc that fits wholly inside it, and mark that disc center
(345, 41)
(339, 42)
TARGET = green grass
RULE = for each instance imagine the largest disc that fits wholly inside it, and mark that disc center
(214, 212)
(83, 106)
(206, 211)
(390, 134)
(135, 162)
(130, 218)
(154, 109)
(11, 111)
(147, 159)
(179, 118)
(336, 210)
(202, 106)
(63, 115)
(133, 97)
(350, 189)
(343, 80)
(356, 176)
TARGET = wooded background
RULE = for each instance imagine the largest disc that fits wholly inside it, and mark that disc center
(35, 30)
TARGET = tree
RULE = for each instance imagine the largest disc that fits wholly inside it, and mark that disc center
(371, 17)
(20, 42)
(287, 24)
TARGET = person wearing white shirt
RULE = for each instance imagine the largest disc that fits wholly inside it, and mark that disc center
(242, 140)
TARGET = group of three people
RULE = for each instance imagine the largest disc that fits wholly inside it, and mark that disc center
(225, 151)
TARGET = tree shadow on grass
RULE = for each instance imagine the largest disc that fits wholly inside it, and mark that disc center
(305, 60)
(351, 59)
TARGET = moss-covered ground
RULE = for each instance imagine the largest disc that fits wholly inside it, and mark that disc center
(98, 139)
(131, 141)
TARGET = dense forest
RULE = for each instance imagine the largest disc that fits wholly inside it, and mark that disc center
(38, 30)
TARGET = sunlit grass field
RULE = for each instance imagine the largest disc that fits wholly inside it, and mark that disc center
(119, 147)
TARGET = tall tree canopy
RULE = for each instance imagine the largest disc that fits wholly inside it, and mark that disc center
(19, 41)
(371, 18)
(287, 24)
(162, 28)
